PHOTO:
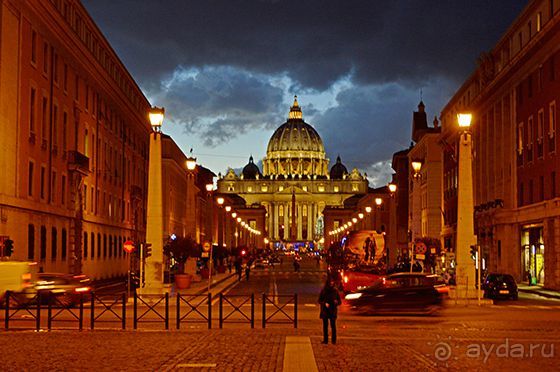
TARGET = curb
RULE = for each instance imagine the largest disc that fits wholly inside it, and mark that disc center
(204, 290)
(547, 295)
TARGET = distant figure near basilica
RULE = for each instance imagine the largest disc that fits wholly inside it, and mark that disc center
(295, 184)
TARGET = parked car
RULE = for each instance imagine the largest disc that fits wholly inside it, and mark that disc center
(397, 293)
(16, 277)
(500, 286)
(60, 289)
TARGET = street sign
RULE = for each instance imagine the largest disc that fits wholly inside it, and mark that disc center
(128, 246)
(420, 257)
(205, 255)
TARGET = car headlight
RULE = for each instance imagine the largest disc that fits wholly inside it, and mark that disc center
(353, 296)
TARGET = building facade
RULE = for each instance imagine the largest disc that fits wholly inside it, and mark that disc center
(74, 141)
(295, 185)
(513, 96)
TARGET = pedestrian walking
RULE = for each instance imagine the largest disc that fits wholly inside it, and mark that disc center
(238, 269)
(329, 299)
(229, 263)
(247, 270)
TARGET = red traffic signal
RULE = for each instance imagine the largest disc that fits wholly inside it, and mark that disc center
(243, 252)
(128, 246)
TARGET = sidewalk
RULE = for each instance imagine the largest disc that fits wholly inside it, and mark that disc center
(219, 283)
(538, 290)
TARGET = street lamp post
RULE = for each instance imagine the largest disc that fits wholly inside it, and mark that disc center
(465, 224)
(417, 208)
(154, 210)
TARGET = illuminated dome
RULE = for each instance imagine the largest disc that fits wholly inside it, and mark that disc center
(251, 171)
(338, 170)
(295, 149)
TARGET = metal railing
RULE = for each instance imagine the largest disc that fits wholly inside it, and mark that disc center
(194, 302)
(151, 309)
(279, 310)
(237, 309)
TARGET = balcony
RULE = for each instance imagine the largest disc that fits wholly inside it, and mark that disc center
(78, 162)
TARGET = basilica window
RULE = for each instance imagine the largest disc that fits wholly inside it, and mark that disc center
(249, 189)
(280, 188)
(321, 188)
(281, 211)
(264, 188)
(336, 189)
(304, 188)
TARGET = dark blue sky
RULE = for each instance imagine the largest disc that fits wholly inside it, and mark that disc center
(226, 71)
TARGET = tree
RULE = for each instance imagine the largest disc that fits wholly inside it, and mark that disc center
(180, 249)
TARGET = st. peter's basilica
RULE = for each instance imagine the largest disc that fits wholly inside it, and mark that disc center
(295, 176)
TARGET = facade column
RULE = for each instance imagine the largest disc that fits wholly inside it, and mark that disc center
(310, 226)
(275, 221)
(286, 221)
(299, 221)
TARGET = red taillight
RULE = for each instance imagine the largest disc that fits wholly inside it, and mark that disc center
(442, 289)
(345, 279)
(82, 289)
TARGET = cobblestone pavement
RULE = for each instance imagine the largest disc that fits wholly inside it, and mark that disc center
(471, 338)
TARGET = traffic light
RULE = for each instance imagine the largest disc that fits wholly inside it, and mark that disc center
(8, 247)
(243, 252)
(474, 251)
(147, 250)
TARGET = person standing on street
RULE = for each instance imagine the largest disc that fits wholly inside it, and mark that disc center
(329, 299)
(238, 269)
(248, 270)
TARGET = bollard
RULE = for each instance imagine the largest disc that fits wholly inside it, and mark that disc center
(295, 310)
(81, 321)
(220, 309)
(166, 310)
(124, 303)
(263, 310)
(92, 312)
(49, 312)
(7, 311)
(38, 317)
(134, 310)
(178, 310)
(209, 310)
(252, 310)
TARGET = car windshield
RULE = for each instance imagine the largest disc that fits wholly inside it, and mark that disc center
(500, 278)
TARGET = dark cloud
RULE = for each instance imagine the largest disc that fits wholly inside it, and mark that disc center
(219, 103)
(314, 42)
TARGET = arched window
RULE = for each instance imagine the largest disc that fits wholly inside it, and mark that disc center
(30, 242)
(54, 239)
(85, 246)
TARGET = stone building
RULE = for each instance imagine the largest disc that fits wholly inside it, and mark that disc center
(73, 139)
(513, 96)
(295, 184)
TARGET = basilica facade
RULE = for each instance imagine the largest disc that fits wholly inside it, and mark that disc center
(295, 183)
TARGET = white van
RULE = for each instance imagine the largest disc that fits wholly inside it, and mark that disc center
(16, 276)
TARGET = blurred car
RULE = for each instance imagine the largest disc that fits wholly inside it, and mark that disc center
(500, 286)
(397, 293)
(439, 284)
(60, 289)
(260, 262)
(357, 278)
(274, 260)
(16, 277)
